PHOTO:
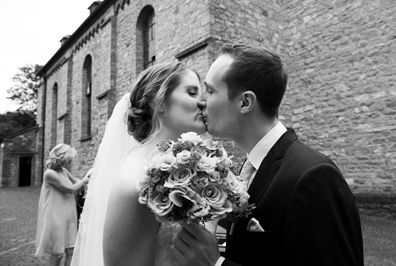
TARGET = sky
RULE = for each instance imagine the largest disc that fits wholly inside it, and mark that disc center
(30, 33)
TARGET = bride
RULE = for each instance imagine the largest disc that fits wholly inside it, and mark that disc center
(115, 229)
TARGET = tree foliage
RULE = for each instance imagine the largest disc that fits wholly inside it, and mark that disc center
(12, 122)
(25, 88)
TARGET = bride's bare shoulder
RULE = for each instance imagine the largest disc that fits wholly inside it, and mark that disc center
(130, 172)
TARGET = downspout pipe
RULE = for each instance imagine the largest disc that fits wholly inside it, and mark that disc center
(43, 117)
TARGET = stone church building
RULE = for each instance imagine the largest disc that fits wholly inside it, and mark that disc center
(340, 55)
(18, 157)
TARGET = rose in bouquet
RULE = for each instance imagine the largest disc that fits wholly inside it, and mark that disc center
(192, 179)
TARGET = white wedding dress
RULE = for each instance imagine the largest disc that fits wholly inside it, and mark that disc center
(111, 163)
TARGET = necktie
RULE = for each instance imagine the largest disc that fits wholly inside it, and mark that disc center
(245, 175)
(246, 172)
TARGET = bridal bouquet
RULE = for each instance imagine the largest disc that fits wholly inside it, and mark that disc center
(192, 179)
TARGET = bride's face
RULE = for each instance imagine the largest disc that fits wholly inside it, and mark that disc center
(181, 112)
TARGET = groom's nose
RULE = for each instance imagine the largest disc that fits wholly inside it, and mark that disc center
(201, 104)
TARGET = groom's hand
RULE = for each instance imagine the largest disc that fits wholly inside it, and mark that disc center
(193, 245)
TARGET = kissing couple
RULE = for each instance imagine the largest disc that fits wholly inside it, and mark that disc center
(305, 212)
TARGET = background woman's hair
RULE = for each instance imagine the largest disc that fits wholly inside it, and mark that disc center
(60, 155)
(151, 89)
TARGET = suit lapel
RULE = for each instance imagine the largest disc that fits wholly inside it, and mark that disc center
(269, 167)
(263, 179)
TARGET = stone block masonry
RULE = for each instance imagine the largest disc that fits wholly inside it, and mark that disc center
(340, 55)
(341, 95)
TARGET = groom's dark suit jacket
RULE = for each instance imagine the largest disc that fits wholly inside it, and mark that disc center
(306, 209)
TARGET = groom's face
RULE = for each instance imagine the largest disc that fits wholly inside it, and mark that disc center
(220, 112)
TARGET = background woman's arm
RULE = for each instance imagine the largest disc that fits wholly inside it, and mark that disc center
(70, 176)
(74, 179)
(52, 178)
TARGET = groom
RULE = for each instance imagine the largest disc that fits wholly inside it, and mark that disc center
(305, 212)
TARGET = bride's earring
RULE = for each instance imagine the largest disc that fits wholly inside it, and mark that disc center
(161, 110)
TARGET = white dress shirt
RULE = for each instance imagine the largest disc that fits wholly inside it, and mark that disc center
(258, 153)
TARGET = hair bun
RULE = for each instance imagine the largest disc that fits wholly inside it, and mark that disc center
(148, 93)
(139, 123)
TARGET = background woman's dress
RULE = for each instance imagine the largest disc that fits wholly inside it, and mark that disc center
(57, 219)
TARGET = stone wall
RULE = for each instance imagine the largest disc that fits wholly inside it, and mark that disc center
(13, 147)
(258, 22)
(95, 42)
(111, 42)
(341, 97)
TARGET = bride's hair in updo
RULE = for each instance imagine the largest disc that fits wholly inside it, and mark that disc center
(60, 155)
(149, 92)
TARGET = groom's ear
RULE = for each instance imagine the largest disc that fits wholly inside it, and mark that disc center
(248, 101)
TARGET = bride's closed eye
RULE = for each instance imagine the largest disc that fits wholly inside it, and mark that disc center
(193, 91)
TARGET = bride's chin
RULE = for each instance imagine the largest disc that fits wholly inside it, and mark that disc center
(200, 132)
(201, 129)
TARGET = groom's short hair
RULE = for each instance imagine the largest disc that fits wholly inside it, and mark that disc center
(258, 70)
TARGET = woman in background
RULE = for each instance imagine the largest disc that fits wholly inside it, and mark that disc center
(57, 213)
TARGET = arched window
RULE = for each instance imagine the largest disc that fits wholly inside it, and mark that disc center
(86, 105)
(54, 116)
(145, 39)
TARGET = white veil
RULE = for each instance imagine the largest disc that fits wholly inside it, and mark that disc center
(115, 145)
